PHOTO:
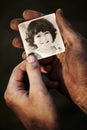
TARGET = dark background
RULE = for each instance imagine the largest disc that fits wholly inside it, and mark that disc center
(71, 117)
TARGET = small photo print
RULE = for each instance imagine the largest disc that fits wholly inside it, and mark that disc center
(41, 36)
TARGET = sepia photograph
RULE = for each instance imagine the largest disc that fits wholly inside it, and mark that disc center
(41, 36)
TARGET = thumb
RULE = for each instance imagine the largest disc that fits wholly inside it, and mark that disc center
(34, 74)
(70, 36)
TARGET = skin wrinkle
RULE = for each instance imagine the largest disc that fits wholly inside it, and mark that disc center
(80, 91)
(81, 100)
(72, 79)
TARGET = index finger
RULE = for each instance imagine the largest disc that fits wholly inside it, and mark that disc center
(27, 15)
(31, 14)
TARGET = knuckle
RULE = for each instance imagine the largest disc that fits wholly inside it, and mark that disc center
(8, 98)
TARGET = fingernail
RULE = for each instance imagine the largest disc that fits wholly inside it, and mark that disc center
(31, 59)
(60, 11)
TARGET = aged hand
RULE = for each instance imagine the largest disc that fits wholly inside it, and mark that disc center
(73, 62)
(28, 97)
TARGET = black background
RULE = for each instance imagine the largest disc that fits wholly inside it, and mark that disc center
(71, 117)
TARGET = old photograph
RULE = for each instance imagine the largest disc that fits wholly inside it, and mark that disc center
(41, 36)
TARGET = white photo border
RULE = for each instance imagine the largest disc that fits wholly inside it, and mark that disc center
(58, 41)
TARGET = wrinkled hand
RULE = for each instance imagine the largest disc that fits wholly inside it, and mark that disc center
(70, 67)
(73, 62)
(28, 97)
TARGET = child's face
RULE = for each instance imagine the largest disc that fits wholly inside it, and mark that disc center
(42, 39)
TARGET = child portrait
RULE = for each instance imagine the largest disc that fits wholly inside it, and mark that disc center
(41, 36)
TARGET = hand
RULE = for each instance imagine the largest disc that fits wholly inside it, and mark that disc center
(28, 97)
(73, 62)
(69, 68)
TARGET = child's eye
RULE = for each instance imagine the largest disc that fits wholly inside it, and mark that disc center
(47, 32)
(38, 36)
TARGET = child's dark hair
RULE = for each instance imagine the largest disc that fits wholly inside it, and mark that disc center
(37, 26)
